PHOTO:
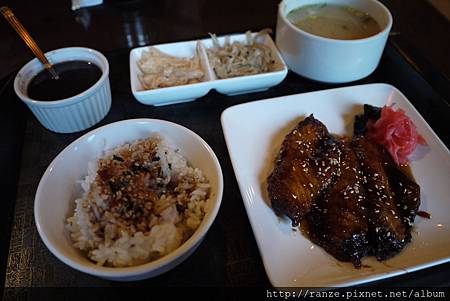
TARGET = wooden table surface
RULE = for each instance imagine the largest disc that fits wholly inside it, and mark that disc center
(416, 61)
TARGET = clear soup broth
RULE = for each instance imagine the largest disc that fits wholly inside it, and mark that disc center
(334, 21)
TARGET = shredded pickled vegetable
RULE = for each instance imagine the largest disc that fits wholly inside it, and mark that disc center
(239, 59)
(160, 70)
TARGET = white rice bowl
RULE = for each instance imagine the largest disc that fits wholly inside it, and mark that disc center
(66, 227)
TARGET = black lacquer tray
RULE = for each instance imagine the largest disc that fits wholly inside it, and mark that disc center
(228, 256)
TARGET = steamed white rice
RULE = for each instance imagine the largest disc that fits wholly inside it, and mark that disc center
(117, 230)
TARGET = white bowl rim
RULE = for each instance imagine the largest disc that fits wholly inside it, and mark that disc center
(387, 28)
(118, 272)
(70, 100)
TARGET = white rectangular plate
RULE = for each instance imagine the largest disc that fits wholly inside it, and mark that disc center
(254, 133)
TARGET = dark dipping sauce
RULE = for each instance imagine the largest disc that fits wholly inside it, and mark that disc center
(74, 77)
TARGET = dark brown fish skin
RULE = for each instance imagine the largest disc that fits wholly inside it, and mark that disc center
(299, 175)
(390, 209)
(338, 219)
(406, 191)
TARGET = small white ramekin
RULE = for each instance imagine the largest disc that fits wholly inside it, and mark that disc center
(332, 60)
(75, 113)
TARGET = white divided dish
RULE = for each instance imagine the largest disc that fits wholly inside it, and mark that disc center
(254, 133)
(228, 86)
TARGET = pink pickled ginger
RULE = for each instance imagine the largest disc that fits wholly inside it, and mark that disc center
(396, 132)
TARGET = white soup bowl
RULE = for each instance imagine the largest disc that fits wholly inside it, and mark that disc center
(332, 60)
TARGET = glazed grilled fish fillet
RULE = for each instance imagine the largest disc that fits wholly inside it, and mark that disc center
(305, 166)
(393, 199)
(338, 219)
(355, 199)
